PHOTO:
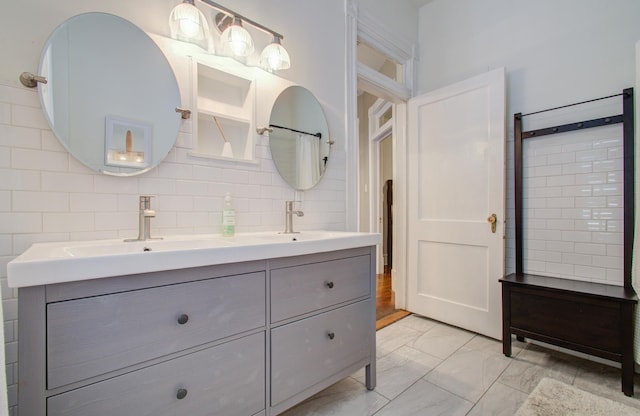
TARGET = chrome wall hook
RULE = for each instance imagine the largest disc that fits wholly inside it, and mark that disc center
(30, 80)
(262, 130)
(184, 113)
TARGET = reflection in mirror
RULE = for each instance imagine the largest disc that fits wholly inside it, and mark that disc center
(299, 139)
(111, 94)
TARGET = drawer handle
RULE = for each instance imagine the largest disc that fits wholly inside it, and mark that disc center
(182, 319)
(330, 285)
(331, 335)
(182, 393)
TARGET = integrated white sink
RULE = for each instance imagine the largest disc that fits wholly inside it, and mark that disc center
(49, 263)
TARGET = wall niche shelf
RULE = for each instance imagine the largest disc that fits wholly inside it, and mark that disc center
(227, 95)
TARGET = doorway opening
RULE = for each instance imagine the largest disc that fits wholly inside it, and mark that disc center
(380, 66)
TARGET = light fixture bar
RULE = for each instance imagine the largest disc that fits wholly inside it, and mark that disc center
(244, 19)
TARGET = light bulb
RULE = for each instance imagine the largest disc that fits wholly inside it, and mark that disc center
(187, 23)
(237, 40)
(275, 57)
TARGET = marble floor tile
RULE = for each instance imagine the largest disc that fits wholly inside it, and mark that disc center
(442, 340)
(499, 400)
(345, 398)
(424, 398)
(417, 322)
(469, 373)
(392, 337)
(605, 381)
(482, 343)
(399, 369)
(525, 376)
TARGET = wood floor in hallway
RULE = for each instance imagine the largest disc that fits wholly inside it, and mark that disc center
(386, 312)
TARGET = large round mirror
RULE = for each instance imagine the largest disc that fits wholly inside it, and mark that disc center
(111, 94)
(299, 139)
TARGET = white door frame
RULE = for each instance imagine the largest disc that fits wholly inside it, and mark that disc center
(377, 133)
(360, 25)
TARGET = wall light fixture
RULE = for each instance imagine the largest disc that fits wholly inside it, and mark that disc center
(189, 24)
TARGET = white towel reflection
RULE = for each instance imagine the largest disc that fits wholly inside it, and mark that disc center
(308, 161)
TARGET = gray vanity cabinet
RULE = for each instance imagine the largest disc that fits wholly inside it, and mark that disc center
(243, 339)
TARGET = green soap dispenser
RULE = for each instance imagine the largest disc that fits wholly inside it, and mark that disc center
(228, 217)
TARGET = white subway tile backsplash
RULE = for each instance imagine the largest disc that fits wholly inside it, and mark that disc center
(5, 201)
(92, 202)
(5, 157)
(591, 202)
(610, 142)
(615, 226)
(155, 186)
(531, 203)
(606, 165)
(559, 269)
(6, 245)
(5, 113)
(39, 160)
(560, 224)
(577, 146)
(560, 246)
(608, 262)
(66, 182)
(590, 272)
(560, 202)
(562, 180)
(50, 142)
(591, 178)
(546, 192)
(607, 213)
(575, 258)
(576, 168)
(13, 179)
(607, 238)
(577, 213)
(549, 170)
(534, 182)
(615, 177)
(21, 242)
(576, 236)
(547, 213)
(615, 201)
(610, 189)
(67, 222)
(591, 155)
(582, 191)
(28, 117)
(30, 201)
(592, 249)
(18, 222)
(615, 276)
(19, 137)
(615, 250)
(115, 185)
(561, 158)
(590, 225)
(615, 153)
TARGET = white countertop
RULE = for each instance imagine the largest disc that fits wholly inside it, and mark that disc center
(49, 263)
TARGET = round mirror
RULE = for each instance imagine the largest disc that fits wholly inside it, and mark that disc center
(111, 94)
(299, 139)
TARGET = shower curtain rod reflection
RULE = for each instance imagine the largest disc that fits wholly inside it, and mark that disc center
(318, 135)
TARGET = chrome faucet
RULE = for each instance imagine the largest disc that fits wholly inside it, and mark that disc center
(288, 221)
(144, 220)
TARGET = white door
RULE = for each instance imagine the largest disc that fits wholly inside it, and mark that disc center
(456, 181)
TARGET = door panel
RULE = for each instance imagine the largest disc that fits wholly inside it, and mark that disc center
(456, 164)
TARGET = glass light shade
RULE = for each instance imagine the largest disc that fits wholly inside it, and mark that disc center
(275, 57)
(188, 23)
(236, 40)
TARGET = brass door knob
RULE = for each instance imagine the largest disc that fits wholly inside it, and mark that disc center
(493, 220)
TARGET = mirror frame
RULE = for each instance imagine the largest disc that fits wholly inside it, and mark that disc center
(111, 96)
(299, 129)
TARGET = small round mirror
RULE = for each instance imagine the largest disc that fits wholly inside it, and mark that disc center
(299, 139)
(111, 94)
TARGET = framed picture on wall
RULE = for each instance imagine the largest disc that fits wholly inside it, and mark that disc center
(127, 143)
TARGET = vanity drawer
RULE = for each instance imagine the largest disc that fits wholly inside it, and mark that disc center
(211, 378)
(301, 289)
(91, 336)
(308, 351)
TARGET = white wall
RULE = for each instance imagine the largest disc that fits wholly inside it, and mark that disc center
(554, 52)
(399, 17)
(46, 195)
